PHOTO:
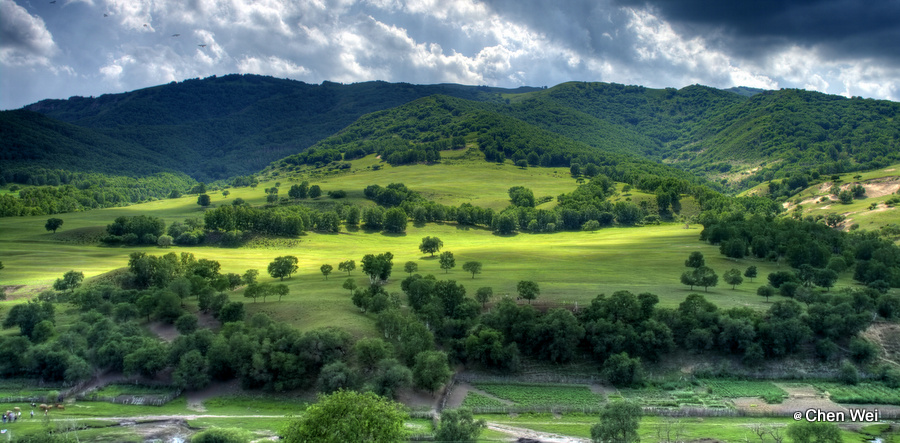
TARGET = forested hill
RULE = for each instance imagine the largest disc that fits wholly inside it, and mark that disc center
(219, 127)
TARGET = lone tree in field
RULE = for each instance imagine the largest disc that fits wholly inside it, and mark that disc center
(733, 277)
(411, 267)
(283, 267)
(750, 273)
(619, 423)
(350, 285)
(203, 200)
(765, 291)
(430, 245)
(326, 269)
(315, 191)
(484, 295)
(378, 267)
(347, 266)
(346, 416)
(695, 260)
(53, 224)
(473, 267)
(528, 290)
(447, 261)
(69, 281)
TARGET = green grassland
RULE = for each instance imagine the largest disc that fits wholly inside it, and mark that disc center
(816, 200)
(569, 266)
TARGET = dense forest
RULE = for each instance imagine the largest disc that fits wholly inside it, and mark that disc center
(220, 127)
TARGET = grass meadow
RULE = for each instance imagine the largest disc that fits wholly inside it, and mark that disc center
(570, 267)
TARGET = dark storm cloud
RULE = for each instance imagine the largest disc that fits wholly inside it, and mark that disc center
(839, 28)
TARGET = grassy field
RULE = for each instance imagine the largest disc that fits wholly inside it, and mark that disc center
(570, 267)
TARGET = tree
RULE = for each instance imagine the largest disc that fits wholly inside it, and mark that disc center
(349, 284)
(619, 423)
(395, 220)
(347, 266)
(622, 370)
(191, 371)
(695, 260)
(165, 241)
(283, 267)
(222, 435)
(430, 245)
(528, 290)
(411, 267)
(348, 416)
(69, 281)
(590, 225)
(27, 315)
(378, 267)
(814, 432)
(765, 291)
(706, 277)
(733, 277)
(458, 425)
(231, 312)
(473, 267)
(431, 370)
(326, 269)
(447, 261)
(203, 200)
(484, 295)
(186, 324)
(53, 224)
(688, 278)
(369, 351)
(750, 273)
(249, 277)
(315, 191)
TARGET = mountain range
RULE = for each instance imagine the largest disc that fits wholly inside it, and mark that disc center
(220, 127)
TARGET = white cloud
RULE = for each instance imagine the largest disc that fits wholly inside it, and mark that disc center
(24, 38)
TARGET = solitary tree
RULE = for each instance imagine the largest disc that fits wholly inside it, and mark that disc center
(473, 267)
(203, 200)
(733, 277)
(326, 269)
(430, 245)
(528, 290)
(53, 224)
(283, 267)
(350, 285)
(448, 262)
(165, 241)
(750, 273)
(346, 416)
(765, 291)
(69, 281)
(619, 423)
(411, 267)
(484, 295)
(347, 266)
(315, 191)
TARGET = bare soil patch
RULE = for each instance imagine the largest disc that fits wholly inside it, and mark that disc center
(195, 399)
(9, 290)
(164, 331)
(887, 337)
(529, 435)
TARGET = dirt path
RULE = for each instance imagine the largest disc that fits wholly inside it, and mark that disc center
(544, 437)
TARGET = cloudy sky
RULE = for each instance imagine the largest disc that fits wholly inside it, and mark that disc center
(57, 49)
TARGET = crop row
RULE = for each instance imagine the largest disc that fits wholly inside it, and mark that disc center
(862, 393)
(543, 395)
(476, 400)
(744, 388)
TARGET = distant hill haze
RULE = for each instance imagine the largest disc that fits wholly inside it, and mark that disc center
(220, 127)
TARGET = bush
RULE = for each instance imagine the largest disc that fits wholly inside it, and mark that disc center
(222, 435)
(849, 374)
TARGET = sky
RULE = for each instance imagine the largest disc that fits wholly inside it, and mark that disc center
(64, 48)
